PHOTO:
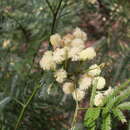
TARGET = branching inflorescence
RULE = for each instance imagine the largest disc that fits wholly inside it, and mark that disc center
(71, 64)
(71, 50)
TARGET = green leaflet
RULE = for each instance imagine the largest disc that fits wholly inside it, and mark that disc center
(119, 114)
(91, 116)
(113, 102)
(117, 90)
(106, 124)
(121, 87)
(4, 102)
(109, 106)
(124, 106)
(123, 96)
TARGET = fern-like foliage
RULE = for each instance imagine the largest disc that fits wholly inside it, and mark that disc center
(106, 124)
(90, 117)
(124, 106)
(114, 104)
(119, 114)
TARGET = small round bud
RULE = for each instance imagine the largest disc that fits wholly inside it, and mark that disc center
(60, 75)
(78, 33)
(68, 87)
(94, 70)
(78, 94)
(47, 62)
(99, 82)
(85, 82)
(98, 100)
(88, 53)
(56, 40)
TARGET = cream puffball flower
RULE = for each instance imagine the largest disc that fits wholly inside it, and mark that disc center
(73, 53)
(92, 1)
(108, 91)
(78, 43)
(47, 62)
(59, 55)
(88, 53)
(67, 39)
(99, 82)
(68, 87)
(6, 43)
(94, 70)
(55, 40)
(78, 33)
(85, 82)
(60, 75)
(78, 94)
(98, 100)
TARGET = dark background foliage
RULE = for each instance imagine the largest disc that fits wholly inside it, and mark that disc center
(26, 26)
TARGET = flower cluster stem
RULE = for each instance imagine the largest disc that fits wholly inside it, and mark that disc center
(54, 14)
(24, 107)
(75, 116)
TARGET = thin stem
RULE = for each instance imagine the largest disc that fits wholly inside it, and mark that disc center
(93, 94)
(25, 106)
(24, 31)
(55, 13)
(75, 116)
(19, 102)
(49, 5)
(20, 117)
(76, 110)
(55, 16)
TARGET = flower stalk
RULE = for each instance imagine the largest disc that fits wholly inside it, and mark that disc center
(24, 107)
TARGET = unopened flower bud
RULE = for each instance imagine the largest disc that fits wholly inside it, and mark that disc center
(99, 82)
(56, 40)
(78, 94)
(78, 33)
(68, 87)
(94, 70)
(98, 100)
(88, 53)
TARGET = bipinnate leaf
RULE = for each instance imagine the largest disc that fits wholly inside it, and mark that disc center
(119, 114)
(124, 106)
(91, 116)
(106, 124)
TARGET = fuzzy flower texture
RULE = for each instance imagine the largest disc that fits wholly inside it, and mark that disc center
(66, 50)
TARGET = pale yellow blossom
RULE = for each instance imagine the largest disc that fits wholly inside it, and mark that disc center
(94, 70)
(78, 33)
(47, 62)
(99, 82)
(56, 40)
(73, 53)
(68, 87)
(78, 94)
(67, 39)
(60, 75)
(98, 100)
(59, 55)
(6, 43)
(88, 53)
(78, 43)
(85, 82)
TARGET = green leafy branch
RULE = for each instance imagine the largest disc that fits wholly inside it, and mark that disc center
(24, 106)
(114, 104)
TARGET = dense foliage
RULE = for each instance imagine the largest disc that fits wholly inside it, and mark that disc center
(25, 29)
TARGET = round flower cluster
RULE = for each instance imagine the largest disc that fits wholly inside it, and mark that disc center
(72, 46)
(98, 100)
(69, 49)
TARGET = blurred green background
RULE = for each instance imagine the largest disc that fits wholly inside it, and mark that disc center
(25, 28)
